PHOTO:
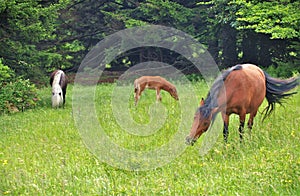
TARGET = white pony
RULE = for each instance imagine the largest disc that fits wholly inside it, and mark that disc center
(58, 81)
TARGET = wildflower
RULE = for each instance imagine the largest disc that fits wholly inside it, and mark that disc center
(293, 133)
(5, 162)
(6, 192)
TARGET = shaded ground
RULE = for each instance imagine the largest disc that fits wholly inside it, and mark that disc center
(106, 77)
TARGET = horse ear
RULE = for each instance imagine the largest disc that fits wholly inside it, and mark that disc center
(202, 102)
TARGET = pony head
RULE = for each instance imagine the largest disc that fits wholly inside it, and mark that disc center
(57, 96)
(202, 121)
(173, 93)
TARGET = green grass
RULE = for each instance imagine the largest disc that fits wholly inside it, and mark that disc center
(42, 153)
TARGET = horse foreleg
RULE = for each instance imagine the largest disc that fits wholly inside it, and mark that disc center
(158, 97)
(225, 129)
(137, 94)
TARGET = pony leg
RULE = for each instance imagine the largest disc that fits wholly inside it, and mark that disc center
(225, 129)
(136, 98)
(64, 99)
(158, 97)
(64, 96)
(137, 94)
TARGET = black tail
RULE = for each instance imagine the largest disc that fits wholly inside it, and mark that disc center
(276, 89)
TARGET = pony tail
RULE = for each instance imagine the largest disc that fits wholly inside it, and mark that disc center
(275, 91)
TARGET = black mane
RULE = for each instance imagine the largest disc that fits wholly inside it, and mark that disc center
(211, 100)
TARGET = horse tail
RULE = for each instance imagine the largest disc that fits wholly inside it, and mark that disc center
(63, 84)
(63, 80)
(52, 77)
(276, 91)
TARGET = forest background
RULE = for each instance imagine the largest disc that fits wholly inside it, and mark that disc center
(39, 36)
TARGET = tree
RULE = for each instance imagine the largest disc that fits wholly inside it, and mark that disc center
(276, 24)
(139, 13)
(39, 36)
(24, 29)
(280, 19)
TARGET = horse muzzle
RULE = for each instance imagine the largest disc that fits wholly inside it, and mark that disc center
(190, 141)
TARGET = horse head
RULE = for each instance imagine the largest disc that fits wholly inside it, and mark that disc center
(57, 96)
(202, 121)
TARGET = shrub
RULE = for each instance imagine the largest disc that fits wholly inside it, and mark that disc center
(5, 72)
(194, 77)
(283, 70)
(17, 95)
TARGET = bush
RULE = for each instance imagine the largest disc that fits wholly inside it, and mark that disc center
(17, 95)
(5, 72)
(38, 76)
(283, 70)
(194, 77)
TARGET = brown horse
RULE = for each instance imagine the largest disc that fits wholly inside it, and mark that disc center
(153, 82)
(239, 90)
(58, 82)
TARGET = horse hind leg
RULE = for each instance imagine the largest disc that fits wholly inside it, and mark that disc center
(241, 130)
(158, 96)
(64, 98)
(250, 121)
(242, 124)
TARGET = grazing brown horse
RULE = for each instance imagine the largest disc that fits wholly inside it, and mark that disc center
(239, 90)
(153, 82)
(58, 82)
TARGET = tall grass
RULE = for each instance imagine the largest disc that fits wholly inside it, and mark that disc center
(42, 153)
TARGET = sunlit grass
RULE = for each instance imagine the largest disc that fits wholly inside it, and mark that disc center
(42, 153)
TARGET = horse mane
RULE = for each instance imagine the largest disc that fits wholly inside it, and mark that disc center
(211, 100)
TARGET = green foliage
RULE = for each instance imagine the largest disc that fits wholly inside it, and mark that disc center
(194, 77)
(27, 31)
(17, 95)
(280, 19)
(45, 35)
(283, 70)
(223, 12)
(155, 12)
(5, 72)
(265, 32)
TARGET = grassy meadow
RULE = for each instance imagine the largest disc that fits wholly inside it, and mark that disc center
(42, 152)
